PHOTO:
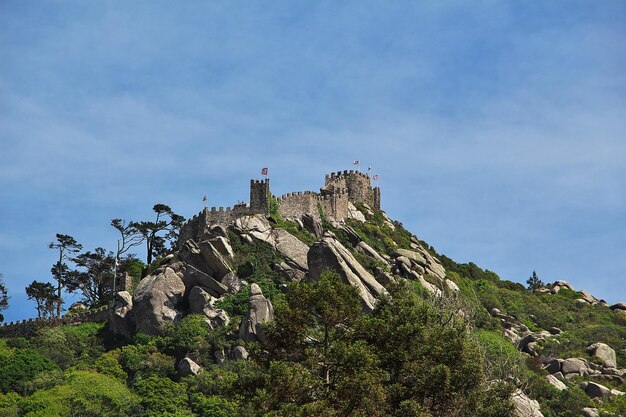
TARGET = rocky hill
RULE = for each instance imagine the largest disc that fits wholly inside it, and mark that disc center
(265, 315)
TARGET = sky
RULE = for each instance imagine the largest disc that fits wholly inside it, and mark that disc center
(497, 128)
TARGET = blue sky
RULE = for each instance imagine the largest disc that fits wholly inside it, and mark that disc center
(497, 128)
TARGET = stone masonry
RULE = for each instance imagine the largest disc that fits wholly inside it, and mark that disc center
(340, 188)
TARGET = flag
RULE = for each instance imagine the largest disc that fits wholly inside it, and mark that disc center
(264, 171)
(369, 167)
(375, 177)
(356, 162)
(205, 198)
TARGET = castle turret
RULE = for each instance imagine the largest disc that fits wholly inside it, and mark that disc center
(260, 196)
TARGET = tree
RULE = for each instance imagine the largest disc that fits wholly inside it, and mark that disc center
(44, 294)
(4, 297)
(534, 283)
(66, 245)
(95, 282)
(129, 237)
(164, 228)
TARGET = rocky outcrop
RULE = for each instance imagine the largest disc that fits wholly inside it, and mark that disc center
(260, 310)
(119, 318)
(354, 213)
(556, 383)
(524, 406)
(292, 248)
(329, 253)
(222, 245)
(603, 352)
(367, 250)
(312, 225)
(193, 277)
(201, 302)
(156, 300)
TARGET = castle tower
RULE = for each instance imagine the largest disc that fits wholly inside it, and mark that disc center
(377, 198)
(260, 196)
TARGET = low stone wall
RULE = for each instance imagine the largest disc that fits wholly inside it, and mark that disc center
(27, 328)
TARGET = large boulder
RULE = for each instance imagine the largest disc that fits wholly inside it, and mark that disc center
(260, 310)
(292, 248)
(355, 213)
(603, 352)
(119, 318)
(524, 406)
(312, 225)
(240, 353)
(188, 367)
(411, 255)
(193, 277)
(574, 366)
(223, 246)
(618, 306)
(367, 250)
(329, 253)
(556, 383)
(156, 300)
(201, 302)
(595, 390)
(214, 261)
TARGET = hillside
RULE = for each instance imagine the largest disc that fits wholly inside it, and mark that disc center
(271, 314)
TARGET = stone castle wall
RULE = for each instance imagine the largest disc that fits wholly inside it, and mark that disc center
(294, 205)
(339, 189)
(358, 185)
(27, 328)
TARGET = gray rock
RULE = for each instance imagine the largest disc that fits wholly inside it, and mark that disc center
(312, 225)
(555, 330)
(604, 352)
(553, 366)
(284, 242)
(556, 383)
(563, 283)
(329, 253)
(232, 282)
(371, 252)
(403, 260)
(412, 255)
(618, 306)
(452, 287)
(527, 343)
(214, 261)
(188, 367)
(588, 297)
(354, 213)
(193, 277)
(119, 317)
(511, 335)
(524, 406)
(240, 353)
(223, 246)
(574, 366)
(218, 230)
(199, 300)
(595, 390)
(260, 310)
(155, 301)
(559, 376)
(590, 412)
(78, 306)
(385, 278)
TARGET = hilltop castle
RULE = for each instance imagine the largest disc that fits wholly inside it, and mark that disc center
(339, 190)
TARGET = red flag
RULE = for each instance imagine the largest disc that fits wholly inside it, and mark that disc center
(375, 177)
(264, 171)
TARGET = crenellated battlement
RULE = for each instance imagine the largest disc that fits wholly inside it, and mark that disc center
(27, 328)
(340, 188)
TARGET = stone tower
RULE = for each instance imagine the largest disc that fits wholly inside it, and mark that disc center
(260, 196)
